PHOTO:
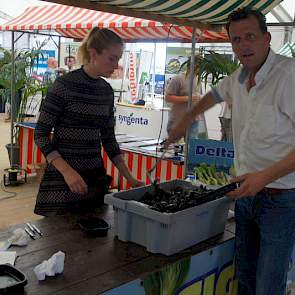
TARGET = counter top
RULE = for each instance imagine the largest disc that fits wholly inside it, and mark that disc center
(92, 264)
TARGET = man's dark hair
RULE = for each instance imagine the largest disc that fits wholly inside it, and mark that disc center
(244, 13)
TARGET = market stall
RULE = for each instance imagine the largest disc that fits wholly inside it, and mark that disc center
(76, 22)
(209, 269)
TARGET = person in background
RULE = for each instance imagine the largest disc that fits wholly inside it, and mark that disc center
(70, 62)
(79, 107)
(51, 72)
(176, 95)
(261, 94)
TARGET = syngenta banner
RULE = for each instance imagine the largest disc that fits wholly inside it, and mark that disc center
(132, 120)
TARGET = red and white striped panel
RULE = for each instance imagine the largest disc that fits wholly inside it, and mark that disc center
(139, 165)
(30, 154)
(111, 169)
(75, 22)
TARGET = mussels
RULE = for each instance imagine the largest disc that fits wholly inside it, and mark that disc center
(177, 199)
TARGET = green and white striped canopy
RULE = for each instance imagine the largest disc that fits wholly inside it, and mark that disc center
(183, 12)
(286, 49)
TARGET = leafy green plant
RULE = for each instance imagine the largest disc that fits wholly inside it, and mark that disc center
(168, 280)
(25, 84)
(211, 67)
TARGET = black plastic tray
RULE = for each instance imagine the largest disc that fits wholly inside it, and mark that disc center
(94, 226)
(12, 281)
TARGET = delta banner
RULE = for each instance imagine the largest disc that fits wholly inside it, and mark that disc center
(211, 272)
(218, 153)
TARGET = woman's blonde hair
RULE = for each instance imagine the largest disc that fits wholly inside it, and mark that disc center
(98, 39)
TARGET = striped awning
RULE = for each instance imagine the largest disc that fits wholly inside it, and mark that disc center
(76, 22)
(197, 13)
(286, 49)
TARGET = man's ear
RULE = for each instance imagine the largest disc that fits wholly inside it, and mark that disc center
(268, 34)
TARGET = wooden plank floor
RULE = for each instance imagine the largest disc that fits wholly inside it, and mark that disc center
(19, 208)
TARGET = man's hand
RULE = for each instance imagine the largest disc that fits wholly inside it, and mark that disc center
(250, 184)
(75, 182)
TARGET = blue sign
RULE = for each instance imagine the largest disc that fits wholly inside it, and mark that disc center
(40, 64)
(219, 153)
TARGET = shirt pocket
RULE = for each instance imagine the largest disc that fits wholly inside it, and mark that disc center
(264, 125)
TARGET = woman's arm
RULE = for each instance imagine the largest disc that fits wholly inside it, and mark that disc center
(52, 109)
(123, 169)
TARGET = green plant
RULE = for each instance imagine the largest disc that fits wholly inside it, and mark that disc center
(211, 67)
(168, 280)
(25, 85)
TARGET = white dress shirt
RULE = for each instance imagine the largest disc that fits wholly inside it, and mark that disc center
(263, 118)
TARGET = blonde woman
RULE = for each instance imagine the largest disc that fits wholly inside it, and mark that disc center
(79, 107)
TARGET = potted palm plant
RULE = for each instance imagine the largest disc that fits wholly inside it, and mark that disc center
(26, 87)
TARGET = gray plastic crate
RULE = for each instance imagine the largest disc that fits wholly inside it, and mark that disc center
(166, 233)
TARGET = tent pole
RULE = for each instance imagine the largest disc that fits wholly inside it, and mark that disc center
(154, 71)
(12, 98)
(58, 52)
(190, 94)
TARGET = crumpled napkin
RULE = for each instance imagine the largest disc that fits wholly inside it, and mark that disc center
(19, 238)
(54, 265)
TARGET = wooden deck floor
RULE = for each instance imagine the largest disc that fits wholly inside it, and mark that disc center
(16, 202)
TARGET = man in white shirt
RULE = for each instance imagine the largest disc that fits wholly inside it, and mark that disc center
(261, 94)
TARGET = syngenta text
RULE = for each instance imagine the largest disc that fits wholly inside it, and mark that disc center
(130, 120)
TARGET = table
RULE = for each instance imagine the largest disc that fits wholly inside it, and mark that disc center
(138, 162)
(95, 265)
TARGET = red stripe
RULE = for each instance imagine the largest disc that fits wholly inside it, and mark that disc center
(21, 146)
(105, 159)
(179, 171)
(30, 149)
(130, 163)
(39, 156)
(169, 170)
(121, 182)
(139, 167)
(158, 170)
(113, 175)
(148, 168)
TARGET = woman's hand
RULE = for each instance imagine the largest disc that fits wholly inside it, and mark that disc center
(72, 178)
(135, 183)
(75, 182)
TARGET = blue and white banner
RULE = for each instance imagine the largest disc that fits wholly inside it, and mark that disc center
(219, 153)
(208, 273)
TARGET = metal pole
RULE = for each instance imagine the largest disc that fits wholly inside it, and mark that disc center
(58, 52)
(190, 95)
(154, 72)
(12, 98)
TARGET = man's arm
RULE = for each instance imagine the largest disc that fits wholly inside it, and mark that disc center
(178, 130)
(180, 98)
(252, 183)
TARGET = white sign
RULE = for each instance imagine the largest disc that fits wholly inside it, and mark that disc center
(140, 121)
